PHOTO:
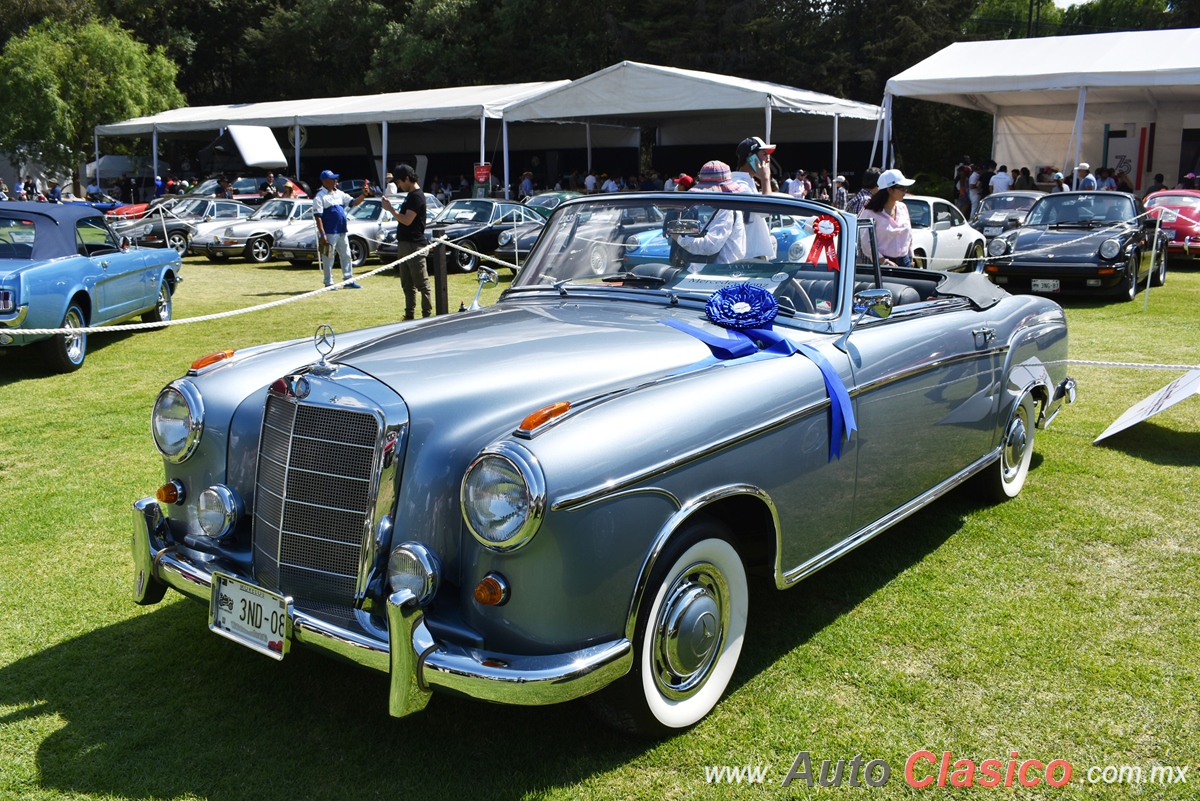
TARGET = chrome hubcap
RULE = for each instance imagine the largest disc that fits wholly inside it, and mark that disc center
(689, 632)
(598, 261)
(164, 303)
(74, 342)
(260, 250)
(178, 244)
(1016, 439)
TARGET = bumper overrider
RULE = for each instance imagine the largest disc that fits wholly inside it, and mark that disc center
(414, 660)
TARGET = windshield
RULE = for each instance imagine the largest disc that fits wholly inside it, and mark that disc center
(1005, 203)
(273, 210)
(1177, 201)
(1080, 209)
(467, 211)
(195, 207)
(692, 243)
(368, 210)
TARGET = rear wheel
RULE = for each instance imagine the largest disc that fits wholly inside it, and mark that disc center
(919, 261)
(688, 637)
(1007, 477)
(1159, 276)
(66, 352)
(161, 312)
(258, 250)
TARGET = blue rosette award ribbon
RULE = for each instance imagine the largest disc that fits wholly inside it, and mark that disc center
(747, 311)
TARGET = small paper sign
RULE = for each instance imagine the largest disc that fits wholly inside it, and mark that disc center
(1180, 389)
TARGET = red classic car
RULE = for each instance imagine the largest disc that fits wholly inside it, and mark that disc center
(1179, 212)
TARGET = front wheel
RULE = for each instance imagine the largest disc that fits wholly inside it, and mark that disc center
(1159, 276)
(1006, 479)
(1127, 291)
(258, 250)
(974, 262)
(688, 637)
(178, 242)
(66, 352)
(161, 312)
(358, 252)
(919, 261)
(466, 262)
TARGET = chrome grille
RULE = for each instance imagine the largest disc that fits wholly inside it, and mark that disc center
(312, 500)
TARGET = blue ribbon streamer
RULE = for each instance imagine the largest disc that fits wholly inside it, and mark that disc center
(754, 341)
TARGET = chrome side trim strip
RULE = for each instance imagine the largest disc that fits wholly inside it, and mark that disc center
(634, 491)
(924, 368)
(784, 580)
(589, 496)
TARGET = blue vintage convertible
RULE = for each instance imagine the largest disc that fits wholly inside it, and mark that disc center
(566, 494)
(61, 266)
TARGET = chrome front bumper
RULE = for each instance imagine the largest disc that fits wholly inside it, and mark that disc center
(416, 663)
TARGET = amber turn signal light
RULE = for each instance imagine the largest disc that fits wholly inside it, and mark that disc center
(212, 358)
(492, 591)
(171, 492)
(544, 415)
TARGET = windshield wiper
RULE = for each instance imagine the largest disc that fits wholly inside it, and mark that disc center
(560, 286)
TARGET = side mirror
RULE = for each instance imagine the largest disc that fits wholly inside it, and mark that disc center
(942, 225)
(876, 302)
(124, 243)
(680, 227)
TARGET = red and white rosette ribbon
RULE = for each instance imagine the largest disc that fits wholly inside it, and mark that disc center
(827, 229)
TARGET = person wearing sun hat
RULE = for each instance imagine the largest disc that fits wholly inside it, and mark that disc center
(723, 238)
(893, 228)
(53, 194)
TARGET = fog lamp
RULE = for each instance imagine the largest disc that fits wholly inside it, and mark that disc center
(414, 567)
(217, 511)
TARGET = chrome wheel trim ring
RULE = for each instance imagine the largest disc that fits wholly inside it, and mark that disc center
(163, 307)
(597, 261)
(178, 242)
(690, 631)
(74, 344)
(260, 250)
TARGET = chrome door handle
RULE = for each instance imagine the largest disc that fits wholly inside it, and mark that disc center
(104, 265)
(988, 334)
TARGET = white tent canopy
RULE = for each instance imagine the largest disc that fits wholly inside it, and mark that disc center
(1043, 90)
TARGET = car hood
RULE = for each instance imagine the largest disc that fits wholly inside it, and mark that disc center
(509, 360)
(1057, 244)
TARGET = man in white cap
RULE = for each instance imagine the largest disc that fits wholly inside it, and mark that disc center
(1085, 182)
(840, 198)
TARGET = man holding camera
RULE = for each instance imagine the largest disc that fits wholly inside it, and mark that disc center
(410, 238)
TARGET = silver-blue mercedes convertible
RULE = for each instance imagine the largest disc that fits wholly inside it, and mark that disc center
(563, 494)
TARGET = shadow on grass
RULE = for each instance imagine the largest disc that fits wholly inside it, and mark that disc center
(28, 361)
(156, 706)
(1157, 444)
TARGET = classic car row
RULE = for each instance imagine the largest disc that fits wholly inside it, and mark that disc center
(62, 266)
(567, 494)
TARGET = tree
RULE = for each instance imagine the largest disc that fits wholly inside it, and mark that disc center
(58, 81)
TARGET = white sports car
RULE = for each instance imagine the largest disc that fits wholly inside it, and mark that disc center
(942, 237)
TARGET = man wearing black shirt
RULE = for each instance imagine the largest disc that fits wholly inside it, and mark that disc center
(410, 237)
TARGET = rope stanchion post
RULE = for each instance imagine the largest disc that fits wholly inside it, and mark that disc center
(441, 290)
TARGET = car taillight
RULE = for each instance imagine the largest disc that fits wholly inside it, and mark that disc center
(7, 301)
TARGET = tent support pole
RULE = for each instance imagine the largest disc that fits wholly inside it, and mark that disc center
(383, 161)
(588, 130)
(296, 145)
(154, 147)
(483, 138)
(1077, 133)
(887, 130)
(96, 145)
(507, 176)
(768, 121)
(835, 144)
(875, 141)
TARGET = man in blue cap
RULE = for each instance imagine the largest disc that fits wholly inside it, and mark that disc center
(329, 211)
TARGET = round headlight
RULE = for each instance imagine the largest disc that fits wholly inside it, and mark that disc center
(147, 228)
(504, 238)
(177, 420)
(796, 251)
(414, 567)
(997, 247)
(504, 497)
(217, 511)
(632, 243)
(1110, 249)
(228, 232)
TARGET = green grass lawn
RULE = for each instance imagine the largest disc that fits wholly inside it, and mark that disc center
(1061, 625)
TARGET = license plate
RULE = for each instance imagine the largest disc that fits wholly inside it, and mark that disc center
(1172, 234)
(249, 615)
(1045, 285)
(992, 230)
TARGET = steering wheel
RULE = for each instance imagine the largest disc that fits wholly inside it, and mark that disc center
(792, 291)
